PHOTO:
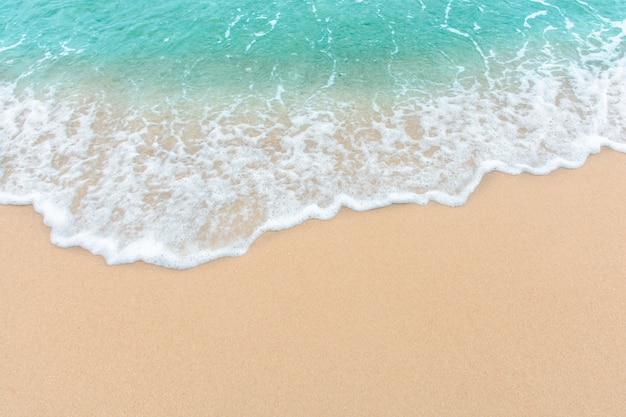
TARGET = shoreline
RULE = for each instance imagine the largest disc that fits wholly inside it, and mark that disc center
(511, 304)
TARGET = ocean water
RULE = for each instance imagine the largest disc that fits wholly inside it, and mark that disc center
(176, 132)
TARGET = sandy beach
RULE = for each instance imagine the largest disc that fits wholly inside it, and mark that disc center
(511, 305)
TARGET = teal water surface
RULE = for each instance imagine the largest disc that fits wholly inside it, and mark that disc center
(177, 132)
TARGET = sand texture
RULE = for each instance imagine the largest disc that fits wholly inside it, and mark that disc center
(511, 305)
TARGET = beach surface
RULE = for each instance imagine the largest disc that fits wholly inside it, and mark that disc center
(511, 305)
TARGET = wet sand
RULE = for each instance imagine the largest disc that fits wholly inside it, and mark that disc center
(511, 305)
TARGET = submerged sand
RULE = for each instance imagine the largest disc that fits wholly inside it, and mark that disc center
(511, 305)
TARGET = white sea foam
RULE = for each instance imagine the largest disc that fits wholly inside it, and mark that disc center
(177, 187)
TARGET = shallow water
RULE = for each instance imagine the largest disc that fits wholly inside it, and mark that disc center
(177, 133)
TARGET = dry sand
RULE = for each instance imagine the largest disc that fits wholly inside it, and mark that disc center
(512, 305)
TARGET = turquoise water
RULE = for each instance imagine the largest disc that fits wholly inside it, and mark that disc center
(177, 132)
